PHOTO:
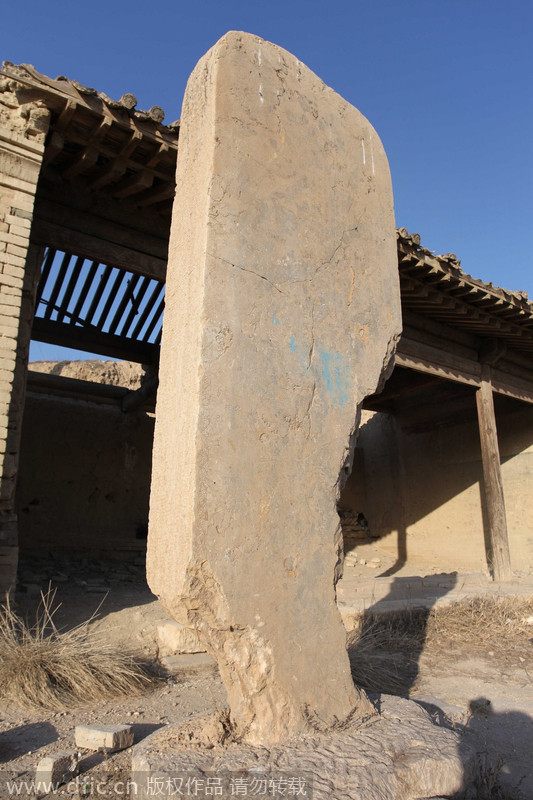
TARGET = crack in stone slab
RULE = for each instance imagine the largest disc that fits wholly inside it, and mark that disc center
(245, 269)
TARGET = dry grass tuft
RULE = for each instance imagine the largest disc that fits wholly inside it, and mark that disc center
(374, 665)
(483, 619)
(41, 667)
(385, 648)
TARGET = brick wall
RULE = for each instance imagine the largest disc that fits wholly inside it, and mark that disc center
(23, 128)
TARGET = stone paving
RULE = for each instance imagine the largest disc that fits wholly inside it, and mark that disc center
(356, 594)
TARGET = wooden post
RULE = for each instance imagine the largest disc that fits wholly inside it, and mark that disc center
(494, 499)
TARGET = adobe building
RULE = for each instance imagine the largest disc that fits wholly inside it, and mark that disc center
(442, 470)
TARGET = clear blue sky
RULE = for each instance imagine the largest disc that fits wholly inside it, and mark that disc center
(446, 83)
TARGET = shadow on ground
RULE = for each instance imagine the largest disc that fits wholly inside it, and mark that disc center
(82, 587)
(385, 652)
(504, 743)
(19, 740)
(385, 655)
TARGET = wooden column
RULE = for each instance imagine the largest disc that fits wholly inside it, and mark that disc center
(494, 499)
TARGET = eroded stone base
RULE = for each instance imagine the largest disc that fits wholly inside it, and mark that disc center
(397, 755)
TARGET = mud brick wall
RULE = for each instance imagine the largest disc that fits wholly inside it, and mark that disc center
(84, 478)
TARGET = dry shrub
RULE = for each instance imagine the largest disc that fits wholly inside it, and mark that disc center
(42, 667)
(385, 648)
(376, 664)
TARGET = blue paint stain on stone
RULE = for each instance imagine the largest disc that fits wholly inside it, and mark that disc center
(275, 321)
(326, 359)
(336, 376)
(293, 344)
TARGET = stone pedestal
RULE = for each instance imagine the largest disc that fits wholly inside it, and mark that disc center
(401, 755)
(282, 310)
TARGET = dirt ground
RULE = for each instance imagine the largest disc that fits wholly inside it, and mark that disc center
(482, 687)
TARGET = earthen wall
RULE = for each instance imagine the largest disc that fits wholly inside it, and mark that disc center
(420, 492)
(84, 478)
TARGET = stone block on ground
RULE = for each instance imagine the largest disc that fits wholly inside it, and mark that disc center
(399, 754)
(189, 662)
(56, 769)
(104, 737)
(173, 638)
(282, 311)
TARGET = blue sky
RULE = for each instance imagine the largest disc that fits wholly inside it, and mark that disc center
(446, 83)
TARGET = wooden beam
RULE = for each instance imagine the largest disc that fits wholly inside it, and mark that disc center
(113, 171)
(135, 183)
(84, 161)
(93, 341)
(437, 362)
(155, 195)
(65, 116)
(499, 558)
(95, 220)
(156, 158)
(65, 202)
(416, 288)
(131, 145)
(502, 383)
(512, 386)
(91, 247)
(438, 329)
(421, 365)
(53, 147)
(431, 339)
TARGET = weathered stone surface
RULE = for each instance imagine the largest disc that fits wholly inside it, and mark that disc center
(104, 737)
(282, 308)
(401, 754)
(172, 638)
(54, 770)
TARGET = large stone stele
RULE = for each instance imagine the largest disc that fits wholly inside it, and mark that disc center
(282, 309)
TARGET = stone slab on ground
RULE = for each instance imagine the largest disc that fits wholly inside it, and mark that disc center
(397, 754)
(282, 311)
(104, 737)
(189, 662)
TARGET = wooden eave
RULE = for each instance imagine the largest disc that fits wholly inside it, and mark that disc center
(458, 334)
(104, 162)
(107, 145)
(436, 287)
